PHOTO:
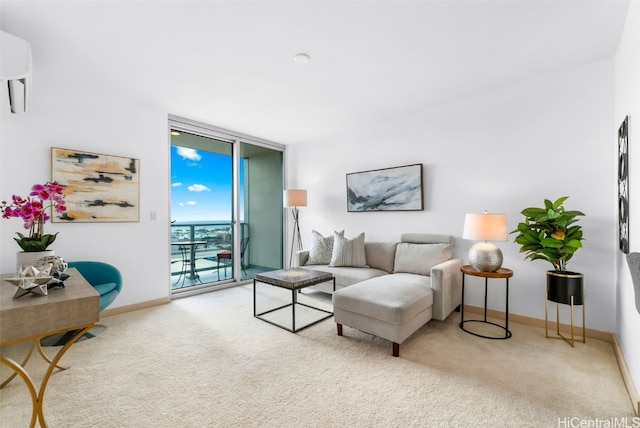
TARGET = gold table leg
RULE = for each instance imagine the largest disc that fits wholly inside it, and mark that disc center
(37, 398)
(24, 363)
(35, 344)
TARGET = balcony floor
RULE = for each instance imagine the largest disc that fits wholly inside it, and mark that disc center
(208, 274)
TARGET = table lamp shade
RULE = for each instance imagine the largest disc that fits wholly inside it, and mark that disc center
(295, 198)
(485, 227)
(484, 256)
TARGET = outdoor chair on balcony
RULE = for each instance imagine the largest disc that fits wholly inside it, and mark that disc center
(226, 257)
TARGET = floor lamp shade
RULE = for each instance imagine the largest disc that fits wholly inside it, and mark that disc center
(294, 198)
(484, 256)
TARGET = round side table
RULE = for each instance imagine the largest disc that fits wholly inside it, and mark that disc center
(501, 273)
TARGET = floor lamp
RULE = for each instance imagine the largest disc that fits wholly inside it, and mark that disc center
(295, 198)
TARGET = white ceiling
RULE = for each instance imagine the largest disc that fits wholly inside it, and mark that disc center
(230, 64)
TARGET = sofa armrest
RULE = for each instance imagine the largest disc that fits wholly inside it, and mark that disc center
(301, 257)
(446, 282)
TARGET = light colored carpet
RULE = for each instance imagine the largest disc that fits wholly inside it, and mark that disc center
(205, 361)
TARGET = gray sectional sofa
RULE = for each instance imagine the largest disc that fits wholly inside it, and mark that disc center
(393, 288)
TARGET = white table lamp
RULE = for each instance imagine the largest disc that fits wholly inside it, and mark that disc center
(485, 256)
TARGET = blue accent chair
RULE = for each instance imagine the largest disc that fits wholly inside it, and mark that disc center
(105, 278)
(107, 281)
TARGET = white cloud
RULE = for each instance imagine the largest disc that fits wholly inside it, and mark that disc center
(191, 203)
(198, 188)
(187, 153)
(176, 184)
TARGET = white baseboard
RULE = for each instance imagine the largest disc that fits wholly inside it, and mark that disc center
(626, 376)
(134, 307)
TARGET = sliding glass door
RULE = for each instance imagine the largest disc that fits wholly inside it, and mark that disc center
(226, 207)
(262, 209)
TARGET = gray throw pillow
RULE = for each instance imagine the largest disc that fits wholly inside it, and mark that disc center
(321, 248)
(348, 252)
(381, 255)
(420, 258)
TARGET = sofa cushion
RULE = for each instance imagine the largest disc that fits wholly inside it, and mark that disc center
(393, 299)
(420, 258)
(346, 276)
(321, 248)
(380, 255)
(348, 252)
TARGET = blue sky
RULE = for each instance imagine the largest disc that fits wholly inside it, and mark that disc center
(200, 185)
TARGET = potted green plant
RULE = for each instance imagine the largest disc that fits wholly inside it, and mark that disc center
(553, 234)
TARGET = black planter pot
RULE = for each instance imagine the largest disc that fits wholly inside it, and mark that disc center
(562, 285)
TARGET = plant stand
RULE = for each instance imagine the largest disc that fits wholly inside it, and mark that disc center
(566, 289)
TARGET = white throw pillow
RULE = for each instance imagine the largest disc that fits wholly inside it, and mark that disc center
(348, 252)
(420, 258)
(321, 248)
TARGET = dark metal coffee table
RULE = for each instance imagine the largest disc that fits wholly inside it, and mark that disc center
(294, 279)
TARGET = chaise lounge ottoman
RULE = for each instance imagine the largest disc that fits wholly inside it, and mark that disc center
(392, 307)
(425, 284)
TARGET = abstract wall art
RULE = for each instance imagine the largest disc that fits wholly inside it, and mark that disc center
(623, 186)
(98, 187)
(388, 189)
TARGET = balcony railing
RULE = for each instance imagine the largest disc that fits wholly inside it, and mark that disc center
(213, 237)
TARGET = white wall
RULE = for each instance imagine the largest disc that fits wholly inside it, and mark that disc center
(500, 151)
(86, 119)
(628, 104)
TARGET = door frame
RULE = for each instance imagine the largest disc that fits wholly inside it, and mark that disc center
(235, 138)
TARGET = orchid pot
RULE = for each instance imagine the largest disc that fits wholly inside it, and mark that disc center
(32, 210)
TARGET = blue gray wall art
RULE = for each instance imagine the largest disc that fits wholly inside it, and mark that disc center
(388, 189)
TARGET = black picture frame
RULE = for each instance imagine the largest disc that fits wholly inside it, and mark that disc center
(623, 186)
(387, 189)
